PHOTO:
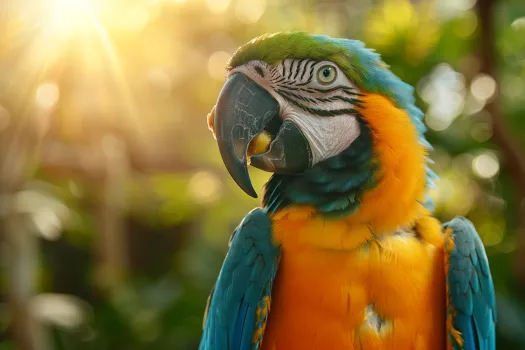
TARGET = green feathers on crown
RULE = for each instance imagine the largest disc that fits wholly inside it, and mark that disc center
(272, 48)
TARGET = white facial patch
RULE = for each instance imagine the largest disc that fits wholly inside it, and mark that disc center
(323, 111)
(327, 136)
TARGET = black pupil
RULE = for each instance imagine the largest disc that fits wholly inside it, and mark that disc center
(326, 72)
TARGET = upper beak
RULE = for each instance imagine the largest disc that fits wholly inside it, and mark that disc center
(244, 109)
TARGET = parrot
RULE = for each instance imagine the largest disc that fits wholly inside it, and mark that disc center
(344, 252)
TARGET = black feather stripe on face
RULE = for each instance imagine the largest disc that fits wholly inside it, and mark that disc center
(294, 99)
(294, 84)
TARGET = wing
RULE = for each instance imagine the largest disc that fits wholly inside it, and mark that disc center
(240, 301)
(471, 305)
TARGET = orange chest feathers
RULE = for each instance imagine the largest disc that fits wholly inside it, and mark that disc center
(356, 290)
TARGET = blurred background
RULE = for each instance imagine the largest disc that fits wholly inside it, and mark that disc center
(115, 208)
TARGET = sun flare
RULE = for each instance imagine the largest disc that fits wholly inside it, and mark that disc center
(69, 16)
(65, 37)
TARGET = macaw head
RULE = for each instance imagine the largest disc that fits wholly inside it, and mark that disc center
(328, 118)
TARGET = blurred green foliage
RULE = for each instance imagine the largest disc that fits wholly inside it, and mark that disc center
(139, 82)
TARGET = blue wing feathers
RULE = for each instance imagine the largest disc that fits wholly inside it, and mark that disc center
(244, 282)
(469, 338)
(471, 291)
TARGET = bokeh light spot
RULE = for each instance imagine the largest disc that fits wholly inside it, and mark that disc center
(46, 212)
(452, 8)
(483, 87)
(217, 63)
(160, 81)
(48, 224)
(473, 105)
(444, 91)
(467, 24)
(518, 23)
(47, 95)
(204, 187)
(250, 11)
(485, 165)
(492, 232)
(217, 6)
(455, 194)
(436, 123)
(60, 309)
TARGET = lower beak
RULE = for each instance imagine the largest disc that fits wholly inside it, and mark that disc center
(245, 111)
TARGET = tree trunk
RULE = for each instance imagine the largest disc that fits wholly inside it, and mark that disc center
(512, 152)
(111, 239)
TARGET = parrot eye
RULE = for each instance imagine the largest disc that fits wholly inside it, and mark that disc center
(326, 74)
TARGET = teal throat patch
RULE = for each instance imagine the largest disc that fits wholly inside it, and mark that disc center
(333, 187)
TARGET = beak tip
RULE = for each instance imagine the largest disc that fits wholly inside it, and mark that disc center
(247, 187)
(239, 172)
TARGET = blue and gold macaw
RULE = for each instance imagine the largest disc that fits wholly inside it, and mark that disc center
(345, 252)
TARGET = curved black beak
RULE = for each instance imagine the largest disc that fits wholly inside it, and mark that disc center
(242, 112)
(244, 109)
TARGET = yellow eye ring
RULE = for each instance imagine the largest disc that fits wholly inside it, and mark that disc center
(326, 74)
